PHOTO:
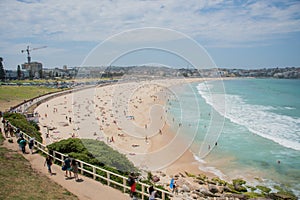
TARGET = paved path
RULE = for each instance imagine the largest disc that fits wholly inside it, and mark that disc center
(85, 190)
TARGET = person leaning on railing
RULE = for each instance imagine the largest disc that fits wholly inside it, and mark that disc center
(132, 183)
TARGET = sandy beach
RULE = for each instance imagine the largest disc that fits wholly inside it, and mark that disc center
(131, 117)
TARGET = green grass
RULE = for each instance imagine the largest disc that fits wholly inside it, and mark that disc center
(19, 181)
(13, 95)
(23, 92)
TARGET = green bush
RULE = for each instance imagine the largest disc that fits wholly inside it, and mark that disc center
(35, 125)
(18, 120)
(96, 153)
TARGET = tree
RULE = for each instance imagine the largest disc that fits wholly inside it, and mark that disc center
(19, 72)
(2, 72)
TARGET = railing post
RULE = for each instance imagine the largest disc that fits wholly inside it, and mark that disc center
(81, 165)
(163, 195)
(54, 156)
(94, 173)
(108, 178)
(143, 192)
(124, 185)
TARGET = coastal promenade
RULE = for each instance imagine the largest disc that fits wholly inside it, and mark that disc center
(87, 188)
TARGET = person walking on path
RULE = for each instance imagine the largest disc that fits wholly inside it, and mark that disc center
(48, 161)
(22, 144)
(31, 144)
(67, 166)
(18, 141)
(74, 166)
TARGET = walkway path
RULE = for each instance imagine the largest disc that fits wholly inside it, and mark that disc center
(88, 189)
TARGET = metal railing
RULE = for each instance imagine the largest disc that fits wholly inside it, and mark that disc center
(95, 172)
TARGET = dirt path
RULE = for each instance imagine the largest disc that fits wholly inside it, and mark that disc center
(86, 189)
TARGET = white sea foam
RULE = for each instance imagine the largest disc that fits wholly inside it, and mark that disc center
(282, 129)
(289, 108)
(203, 167)
(199, 159)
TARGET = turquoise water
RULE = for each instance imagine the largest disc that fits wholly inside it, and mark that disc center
(258, 124)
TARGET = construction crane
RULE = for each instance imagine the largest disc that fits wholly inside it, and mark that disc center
(28, 52)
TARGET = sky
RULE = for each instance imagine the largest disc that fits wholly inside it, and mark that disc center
(234, 33)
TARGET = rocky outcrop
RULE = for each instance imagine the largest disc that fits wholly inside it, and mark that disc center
(199, 187)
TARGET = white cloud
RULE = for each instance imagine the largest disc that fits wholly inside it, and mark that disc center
(212, 22)
(94, 21)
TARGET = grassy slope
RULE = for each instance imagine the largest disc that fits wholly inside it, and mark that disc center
(19, 181)
(13, 95)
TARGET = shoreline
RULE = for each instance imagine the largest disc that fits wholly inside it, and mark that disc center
(55, 117)
(132, 144)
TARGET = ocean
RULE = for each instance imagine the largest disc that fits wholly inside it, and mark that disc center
(242, 128)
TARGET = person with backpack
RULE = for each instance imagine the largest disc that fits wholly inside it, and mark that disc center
(22, 144)
(67, 166)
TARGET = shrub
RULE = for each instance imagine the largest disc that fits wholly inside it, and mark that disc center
(20, 121)
(94, 152)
